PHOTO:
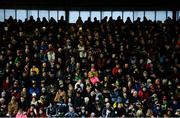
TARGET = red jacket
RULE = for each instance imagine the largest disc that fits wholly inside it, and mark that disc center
(115, 71)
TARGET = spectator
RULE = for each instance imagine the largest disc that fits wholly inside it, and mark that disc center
(60, 96)
(34, 90)
(21, 114)
(51, 53)
(71, 113)
(51, 110)
(108, 111)
(32, 111)
(12, 107)
(23, 104)
(34, 69)
(93, 75)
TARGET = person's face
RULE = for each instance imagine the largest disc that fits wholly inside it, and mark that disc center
(104, 42)
(135, 94)
(59, 60)
(97, 43)
(101, 55)
(124, 95)
(59, 50)
(34, 85)
(24, 89)
(83, 109)
(13, 99)
(117, 66)
(126, 65)
(108, 105)
(50, 46)
(145, 74)
(18, 64)
(35, 55)
(158, 107)
(174, 102)
(106, 79)
(27, 59)
(69, 100)
(157, 82)
(18, 52)
(72, 59)
(8, 52)
(7, 70)
(20, 34)
(9, 45)
(86, 101)
(124, 89)
(40, 111)
(77, 65)
(106, 100)
(44, 65)
(144, 89)
(15, 84)
(141, 61)
(70, 87)
(129, 84)
(121, 48)
(85, 74)
(89, 37)
(57, 66)
(60, 29)
(78, 94)
(69, 93)
(119, 105)
(22, 99)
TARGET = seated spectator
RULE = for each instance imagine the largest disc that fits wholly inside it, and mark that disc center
(3, 107)
(71, 113)
(93, 76)
(35, 70)
(21, 114)
(12, 107)
(24, 104)
(32, 111)
(60, 96)
(62, 108)
(42, 113)
(51, 110)
(51, 53)
(108, 111)
(34, 90)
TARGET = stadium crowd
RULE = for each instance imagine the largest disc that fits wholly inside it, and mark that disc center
(106, 68)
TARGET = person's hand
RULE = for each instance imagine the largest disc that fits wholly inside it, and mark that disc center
(108, 111)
